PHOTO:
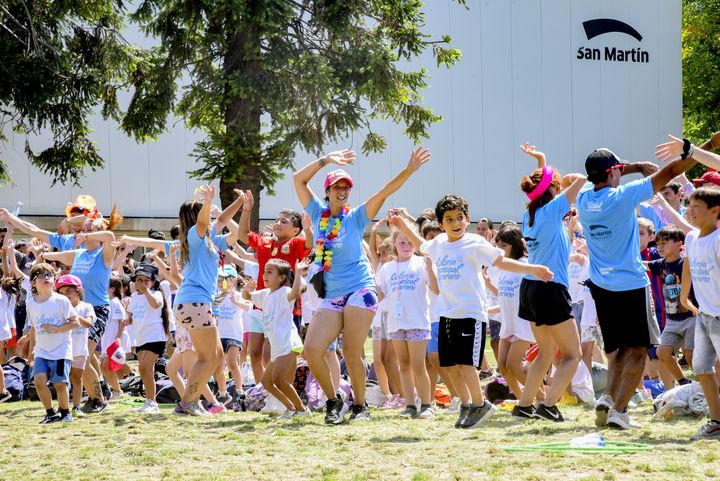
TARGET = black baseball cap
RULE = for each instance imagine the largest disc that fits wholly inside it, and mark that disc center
(598, 163)
(147, 270)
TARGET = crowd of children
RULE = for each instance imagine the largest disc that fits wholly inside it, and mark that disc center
(586, 269)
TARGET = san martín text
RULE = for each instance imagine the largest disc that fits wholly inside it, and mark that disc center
(612, 54)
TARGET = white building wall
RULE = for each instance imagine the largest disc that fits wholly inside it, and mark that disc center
(519, 79)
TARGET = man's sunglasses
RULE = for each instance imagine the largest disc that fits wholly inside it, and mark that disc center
(620, 167)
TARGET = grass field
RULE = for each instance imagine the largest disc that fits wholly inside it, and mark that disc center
(119, 444)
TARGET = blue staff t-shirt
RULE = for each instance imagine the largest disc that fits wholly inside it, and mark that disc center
(350, 269)
(609, 218)
(201, 270)
(547, 240)
(64, 242)
(90, 267)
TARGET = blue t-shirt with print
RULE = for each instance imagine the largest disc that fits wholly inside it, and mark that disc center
(609, 218)
(90, 267)
(350, 269)
(547, 240)
(168, 245)
(64, 242)
(201, 270)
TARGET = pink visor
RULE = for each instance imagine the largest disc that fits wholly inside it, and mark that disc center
(336, 176)
(542, 187)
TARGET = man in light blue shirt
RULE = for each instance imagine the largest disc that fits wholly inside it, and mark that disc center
(618, 282)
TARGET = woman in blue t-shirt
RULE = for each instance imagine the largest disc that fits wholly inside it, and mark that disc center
(349, 302)
(201, 252)
(547, 305)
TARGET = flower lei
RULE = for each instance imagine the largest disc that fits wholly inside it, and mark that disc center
(323, 255)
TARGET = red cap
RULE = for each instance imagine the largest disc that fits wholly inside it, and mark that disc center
(336, 176)
(68, 280)
(710, 176)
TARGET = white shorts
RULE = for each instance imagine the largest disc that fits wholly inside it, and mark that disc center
(285, 343)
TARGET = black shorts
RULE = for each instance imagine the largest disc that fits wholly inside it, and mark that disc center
(461, 342)
(544, 303)
(155, 347)
(626, 318)
(96, 331)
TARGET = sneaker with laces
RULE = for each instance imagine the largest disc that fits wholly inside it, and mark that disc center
(116, 395)
(190, 409)
(464, 410)
(711, 430)
(335, 410)
(409, 412)
(307, 413)
(619, 420)
(288, 414)
(426, 412)
(5, 396)
(88, 406)
(96, 406)
(454, 405)
(549, 413)
(66, 418)
(527, 412)
(50, 418)
(215, 408)
(602, 407)
(388, 402)
(477, 415)
(486, 374)
(225, 400)
(77, 412)
(359, 413)
(150, 407)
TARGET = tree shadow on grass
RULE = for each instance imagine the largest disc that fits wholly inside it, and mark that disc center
(16, 412)
(399, 439)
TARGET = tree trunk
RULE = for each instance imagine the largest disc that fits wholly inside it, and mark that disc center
(242, 117)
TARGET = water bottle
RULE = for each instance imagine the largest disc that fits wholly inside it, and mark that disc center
(592, 440)
(18, 206)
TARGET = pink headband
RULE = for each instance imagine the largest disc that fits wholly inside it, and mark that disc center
(547, 177)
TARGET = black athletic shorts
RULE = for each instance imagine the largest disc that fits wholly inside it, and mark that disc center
(156, 347)
(626, 318)
(544, 303)
(96, 331)
(461, 342)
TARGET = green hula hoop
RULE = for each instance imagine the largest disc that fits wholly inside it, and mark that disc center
(611, 447)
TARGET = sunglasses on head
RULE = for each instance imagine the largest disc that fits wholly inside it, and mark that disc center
(620, 167)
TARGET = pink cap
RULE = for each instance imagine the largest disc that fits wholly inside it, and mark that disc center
(710, 176)
(336, 176)
(68, 280)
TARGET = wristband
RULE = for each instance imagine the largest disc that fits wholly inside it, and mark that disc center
(687, 149)
(322, 161)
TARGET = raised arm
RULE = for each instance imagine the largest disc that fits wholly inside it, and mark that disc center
(244, 225)
(143, 242)
(225, 218)
(106, 238)
(530, 150)
(403, 226)
(302, 177)
(9, 252)
(418, 157)
(672, 214)
(301, 270)
(242, 253)
(175, 277)
(572, 183)
(26, 227)
(307, 226)
(677, 147)
(202, 225)
(65, 257)
(373, 244)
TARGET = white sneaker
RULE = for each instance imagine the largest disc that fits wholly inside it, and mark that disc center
(150, 407)
(288, 414)
(454, 406)
(602, 406)
(307, 413)
(116, 395)
(619, 420)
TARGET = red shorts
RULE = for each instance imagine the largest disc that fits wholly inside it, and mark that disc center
(12, 342)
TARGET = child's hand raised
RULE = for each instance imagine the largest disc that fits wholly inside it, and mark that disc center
(418, 158)
(301, 267)
(306, 222)
(250, 285)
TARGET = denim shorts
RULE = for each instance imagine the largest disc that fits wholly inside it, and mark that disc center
(707, 343)
(227, 342)
(56, 370)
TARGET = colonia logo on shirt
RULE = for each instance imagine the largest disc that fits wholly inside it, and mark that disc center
(601, 26)
(406, 281)
(449, 267)
(599, 232)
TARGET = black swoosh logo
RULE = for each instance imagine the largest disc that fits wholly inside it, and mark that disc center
(601, 26)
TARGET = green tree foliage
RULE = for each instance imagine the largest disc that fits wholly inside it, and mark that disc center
(701, 70)
(263, 77)
(59, 62)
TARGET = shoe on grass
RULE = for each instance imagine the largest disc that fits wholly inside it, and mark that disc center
(711, 430)
(477, 415)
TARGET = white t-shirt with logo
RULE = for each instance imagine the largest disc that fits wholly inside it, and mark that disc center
(509, 300)
(229, 318)
(459, 272)
(405, 286)
(117, 314)
(277, 320)
(55, 311)
(80, 334)
(147, 322)
(7, 314)
(576, 274)
(704, 256)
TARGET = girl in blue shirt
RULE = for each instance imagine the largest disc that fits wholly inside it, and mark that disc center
(547, 304)
(201, 252)
(350, 299)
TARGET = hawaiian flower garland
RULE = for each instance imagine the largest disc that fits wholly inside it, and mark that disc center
(323, 255)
